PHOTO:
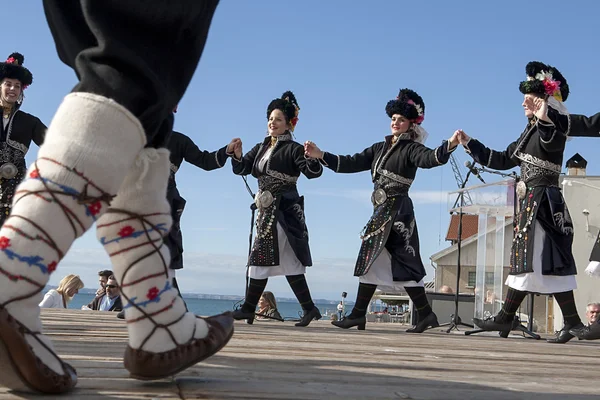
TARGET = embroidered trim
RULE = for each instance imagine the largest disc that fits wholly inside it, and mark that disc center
(217, 159)
(12, 143)
(383, 157)
(406, 233)
(394, 177)
(489, 162)
(276, 174)
(528, 158)
(337, 168)
(174, 168)
(310, 161)
(437, 160)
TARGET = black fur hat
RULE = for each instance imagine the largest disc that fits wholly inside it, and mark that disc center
(288, 105)
(408, 104)
(544, 79)
(13, 68)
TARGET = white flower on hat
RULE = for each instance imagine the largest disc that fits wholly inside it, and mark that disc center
(543, 75)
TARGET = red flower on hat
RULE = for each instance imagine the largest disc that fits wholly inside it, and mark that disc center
(34, 174)
(95, 207)
(152, 293)
(10, 60)
(52, 267)
(126, 231)
(294, 121)
(551, 86)
(4, 242)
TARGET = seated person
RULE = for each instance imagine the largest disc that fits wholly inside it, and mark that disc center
(592, 330)
(102, 278)
(267, 307)
(110, 301)
(61, 296)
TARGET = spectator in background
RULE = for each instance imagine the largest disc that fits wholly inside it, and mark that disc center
(446, 289)
(102, 279)
(267, 307)
(60, 297)
(108, 301)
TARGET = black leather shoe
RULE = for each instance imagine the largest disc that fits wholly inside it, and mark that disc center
(239, 314)
(490, 324)
(348, 323)
(121, 314)
(309, 316)
(563, 336)
(590, 332)
(428, 322)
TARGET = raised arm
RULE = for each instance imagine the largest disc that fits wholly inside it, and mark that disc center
(204, 159)
(243, 165)
(344, 164)
(310, 167)
(490, 158)
(39, 132)
(424, 157)
(582, 126)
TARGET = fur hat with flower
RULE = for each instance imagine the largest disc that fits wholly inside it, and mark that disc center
(288, 105)
(545, 80)
(408, 104)
(13, 68)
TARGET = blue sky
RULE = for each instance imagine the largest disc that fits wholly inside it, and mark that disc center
(344, 60)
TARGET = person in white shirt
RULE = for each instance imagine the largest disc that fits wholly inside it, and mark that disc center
(60, 297)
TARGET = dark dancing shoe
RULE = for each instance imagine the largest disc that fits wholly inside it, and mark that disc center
(428, 322)
(563, 336)
(490, 324)
(239, 314)
(348, 323)
(22, 370)
(309, 316)
(590, 332)
(149, 366)
(121, 314)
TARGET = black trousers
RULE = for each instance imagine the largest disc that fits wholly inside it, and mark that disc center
(140, 53)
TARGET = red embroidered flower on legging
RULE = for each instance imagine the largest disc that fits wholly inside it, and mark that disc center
(34, 174)
(126, 231)
(52, 267)
(152, 293)
(95, 207)
(4, 242)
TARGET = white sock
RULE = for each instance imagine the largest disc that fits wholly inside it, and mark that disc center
(132, 233)
(89, 145)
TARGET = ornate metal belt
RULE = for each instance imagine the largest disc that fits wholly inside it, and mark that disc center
(263, 199)
(8, 170)
(381, 195)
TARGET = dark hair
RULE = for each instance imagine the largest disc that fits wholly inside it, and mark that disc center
(287, 104)
(536, 86)
(107, 273)
(406, 105)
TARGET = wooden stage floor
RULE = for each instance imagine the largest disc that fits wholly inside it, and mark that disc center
(273, 360)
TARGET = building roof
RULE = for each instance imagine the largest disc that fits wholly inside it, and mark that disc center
(470, 225)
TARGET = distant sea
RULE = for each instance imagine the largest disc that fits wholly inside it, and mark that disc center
(206, 307)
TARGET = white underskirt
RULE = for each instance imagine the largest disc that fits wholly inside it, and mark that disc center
(534, 281)
(380, 274)
(288, 262)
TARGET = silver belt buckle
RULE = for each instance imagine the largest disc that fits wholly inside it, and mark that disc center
(263, 199)
(8, 170)
(378, 197)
